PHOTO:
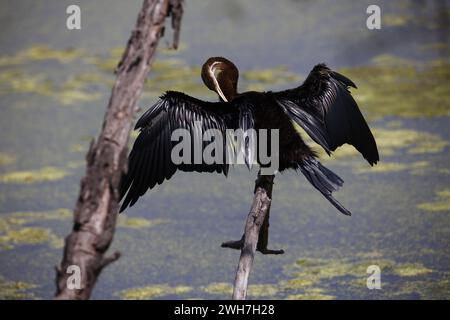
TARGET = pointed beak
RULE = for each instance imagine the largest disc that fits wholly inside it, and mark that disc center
(219, 92)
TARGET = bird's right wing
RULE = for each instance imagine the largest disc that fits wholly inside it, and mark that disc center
(150, 161)
(325, 109)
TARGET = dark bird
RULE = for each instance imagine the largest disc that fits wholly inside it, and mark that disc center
(322, 106)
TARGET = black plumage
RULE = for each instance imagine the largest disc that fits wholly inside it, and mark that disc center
(322, 106)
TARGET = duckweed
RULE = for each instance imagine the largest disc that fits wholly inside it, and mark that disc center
(6, 159)
(10, 290)
(395, 167)
(138, 223)
(411, 270)
(153, 291)
(33, 176)
(41, 52)
(442, 203)
(222, 288)
(14, 230)
(385, 88)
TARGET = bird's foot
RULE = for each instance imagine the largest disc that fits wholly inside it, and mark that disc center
(234, 244)
(270, 251)
(239, 244)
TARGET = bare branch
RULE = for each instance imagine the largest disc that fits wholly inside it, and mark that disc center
(96, 210)
(263, 238)
(256, 218)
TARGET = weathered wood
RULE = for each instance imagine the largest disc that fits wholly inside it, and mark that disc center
(97, 205)
(263, 238)
(255, 219)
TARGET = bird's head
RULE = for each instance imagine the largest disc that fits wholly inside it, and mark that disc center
(221, 75)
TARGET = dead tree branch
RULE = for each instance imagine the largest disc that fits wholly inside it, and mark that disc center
(257, 223)
(263, 238)
(96, 210)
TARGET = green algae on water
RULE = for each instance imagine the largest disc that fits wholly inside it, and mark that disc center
(20, 82)
(33, 176)
(153, 291)
(277, 75)
(416, 142)
(389, 88)
(40, 53)
(138, 223)
(262, 290)
(15, 229)
(27, 235)
(6, 158)
(10, 290)
(395, 167)
(411, 270)
(222, 288)
(389, 141)
(442, 202)
(311, 294)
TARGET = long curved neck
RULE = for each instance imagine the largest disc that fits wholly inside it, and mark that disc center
(226, 85)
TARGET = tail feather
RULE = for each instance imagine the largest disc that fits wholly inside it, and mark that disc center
(324, 180)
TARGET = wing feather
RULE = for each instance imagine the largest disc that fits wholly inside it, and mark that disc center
(325, 109)
(150, 158)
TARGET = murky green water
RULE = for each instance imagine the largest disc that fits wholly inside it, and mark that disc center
(54, 86)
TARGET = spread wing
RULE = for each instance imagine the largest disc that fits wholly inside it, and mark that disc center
(150, 160)
(325, 109)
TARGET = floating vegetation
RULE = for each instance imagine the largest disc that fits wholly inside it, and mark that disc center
(138, 223)
(277, 75)
(33, 216)
(26, 235)
(169, 73)
(78, 147)
(67, 92)
(109, 63)
(13, 79)
(20, 82)
(40, 53)
(425, 289)
(10, 290)
(154, 291)
(254, 290)
(33, 176)
(385, 88)
(222, 288)
(311, 294)
(395, 20)
(389, 141)
(411, 270)
(166, 74)
(265, 79)
(414, 167)
(6, 159)
(310, 276)
(14, 230)
(297, 284)
(262, 290)
(174, 74)
(416, 142)
(72, 96)
(442, 203)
